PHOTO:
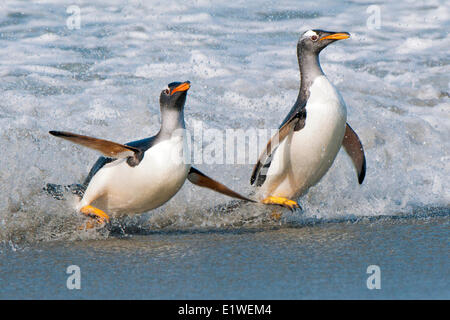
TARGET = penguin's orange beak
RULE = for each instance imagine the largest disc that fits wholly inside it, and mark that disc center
(337, 36)
(182, 87)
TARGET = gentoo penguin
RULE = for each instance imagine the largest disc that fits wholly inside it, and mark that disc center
(312, 133)
(141, 175)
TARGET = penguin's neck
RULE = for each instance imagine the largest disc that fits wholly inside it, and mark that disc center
(309, 70)
(171, 120)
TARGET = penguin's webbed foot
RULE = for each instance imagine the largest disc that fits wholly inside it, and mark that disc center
(290, 204)
(101, 218)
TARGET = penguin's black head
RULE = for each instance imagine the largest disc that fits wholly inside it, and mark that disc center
(313, 41)
(174, 96)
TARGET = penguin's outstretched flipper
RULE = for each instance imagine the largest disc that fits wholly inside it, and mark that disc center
(202, 180)
(107, 148)
(295, 122)
(355, 150)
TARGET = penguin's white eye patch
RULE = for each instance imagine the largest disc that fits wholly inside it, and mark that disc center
(309, 34)
(166, 90)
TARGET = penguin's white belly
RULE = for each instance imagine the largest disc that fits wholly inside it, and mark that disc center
(120, 189)
(304, 157)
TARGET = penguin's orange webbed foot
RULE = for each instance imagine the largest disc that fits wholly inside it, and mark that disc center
(95, 213)
(290, 204)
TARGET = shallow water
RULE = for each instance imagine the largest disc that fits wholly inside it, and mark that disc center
(105, 78)
(326, 261)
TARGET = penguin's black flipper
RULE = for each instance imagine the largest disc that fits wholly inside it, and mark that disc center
(202, 180)
(355, 150)
(295, 123)
(107, 148)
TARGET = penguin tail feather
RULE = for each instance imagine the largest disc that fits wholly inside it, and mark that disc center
(58, 191)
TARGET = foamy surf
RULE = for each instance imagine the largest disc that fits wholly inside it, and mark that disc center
(104, 80)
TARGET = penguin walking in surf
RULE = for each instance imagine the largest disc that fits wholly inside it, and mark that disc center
(311, 135)
(141, 175)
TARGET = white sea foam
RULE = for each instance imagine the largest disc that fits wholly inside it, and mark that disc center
(105, 78)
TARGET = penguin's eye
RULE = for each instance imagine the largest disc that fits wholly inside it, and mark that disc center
(314, 38)
(166, 91)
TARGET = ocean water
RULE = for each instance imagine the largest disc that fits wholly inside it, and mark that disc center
(104, 80)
